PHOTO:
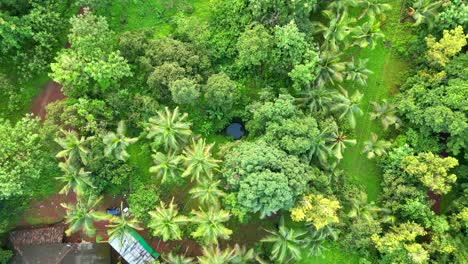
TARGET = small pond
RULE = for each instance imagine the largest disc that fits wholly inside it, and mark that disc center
(236, 130)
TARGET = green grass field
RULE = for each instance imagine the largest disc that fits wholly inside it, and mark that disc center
(383, 83)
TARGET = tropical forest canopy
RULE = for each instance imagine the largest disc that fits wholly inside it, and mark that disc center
(355, 115)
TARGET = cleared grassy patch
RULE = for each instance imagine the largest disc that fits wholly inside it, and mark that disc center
(382, 84)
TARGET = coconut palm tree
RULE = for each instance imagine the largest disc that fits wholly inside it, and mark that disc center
(319, 148)
(208, 193)
(340, 7)
(169, 129)
(348, 106)
(167, 166)
(317, 99)
(357, 72)
(166, 222)
(338, 142)
(74, 147)
(374, 147)
(367, 34)
(242, 255)
(75, 179)
(210, 225)
(214, 255)
(424, 12)
(386, 112)
(118, 143)
(372, 9)
(287, 243)
(332, 68)
(361, 209)
(335, 33)
(121, 225)
(198, 160)
(82, 215)
(172, 258)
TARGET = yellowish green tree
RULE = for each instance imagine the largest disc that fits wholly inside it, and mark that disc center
(432, 171)
(448, 46)
(317, 210)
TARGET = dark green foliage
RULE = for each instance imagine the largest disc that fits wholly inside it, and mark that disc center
(220, 94)
(5, 255)
(29, 33)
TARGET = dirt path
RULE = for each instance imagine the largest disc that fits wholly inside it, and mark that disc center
(52, 92)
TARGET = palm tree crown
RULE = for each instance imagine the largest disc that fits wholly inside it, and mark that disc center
(287, 243)
(74, 147)
(386, 112)
(208, 193)
(357, 72)
(75, 179)
(338, 142)
(374, 147)
(121, 225)
(117, 143)
(82, 215)
(214, 255)
(166, 222)
(169, 129)
(209, 225)
(167, 166)
(198, 160)
(348, 106)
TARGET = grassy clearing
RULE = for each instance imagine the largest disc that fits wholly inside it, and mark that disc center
(155, 15)
(383, 83)
(333, 254)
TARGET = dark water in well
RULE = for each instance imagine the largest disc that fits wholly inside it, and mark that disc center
(235, 130)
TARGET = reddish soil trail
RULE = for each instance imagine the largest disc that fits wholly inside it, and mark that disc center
(51, 93)
(436, 199)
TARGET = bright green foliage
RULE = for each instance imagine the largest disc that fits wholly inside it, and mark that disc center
(220, 93)
(214, 255)
(447, 47)
(305, 74)
(198, 160)
(209, 225)
(348, 106)
(453, 14)
(76, 179)
(166, 221)
(336, 33)
(265, 192)
(167, 166)
(169, 129)
(432, 171)
(184, 91)
(142, 200)
(287, 243)
(82, 215)
(357, 72)
(400, 243)
(282, 108)
(118, 143)
(121, 225)
(267, 179)
(254, 46)
(177, 259)
(437, 106)
(386, 112)
(23, 158)
(375, 147)
(317, 210)
(90, 65)
(207, 193)
(75, 148)
(291, 49)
